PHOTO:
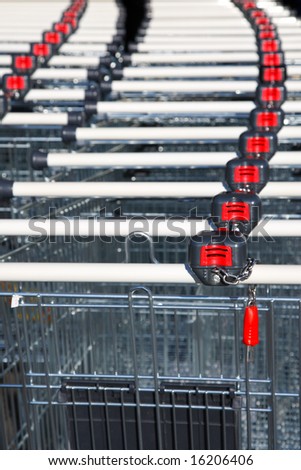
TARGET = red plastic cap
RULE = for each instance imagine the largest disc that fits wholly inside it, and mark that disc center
(258, 14)
(72, 21)
(42, 49)
(64, 28)
(216, 255)
(271, 60)
(15, 82)
(23, 62)
(272, 74)
(267, 119)
(271, 94)
(270, 45)
(261, 21)
(258, 145)
(266, 27)
(249, 5)
(235, 211)
(267, 35)
(246, 174)
(53, 38)
(251, 326)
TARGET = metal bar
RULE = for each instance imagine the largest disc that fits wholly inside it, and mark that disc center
(175, 134)
(143, 190)
(35, 119)
(187, 86)
(76, 94)
(175, 227)
(164, 71)
(134, 273)
(158, 159)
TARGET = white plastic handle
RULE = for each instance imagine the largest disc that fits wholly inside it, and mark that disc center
(158, 134)
(35, 119)
(158, 159)
(97, 38)
(173, 134)
(246, 71)
(78, 94)
(194, 58)
(60, 74)
(130, 190)
(83, 48)
(174, 107)
(198, 39)
(197, 47)
(292, 30)
(134, 273)
(5, 60)
(15, 47)
(194, 86)
(186, 86)
(72, 61)
(186, 107)
(164, 227)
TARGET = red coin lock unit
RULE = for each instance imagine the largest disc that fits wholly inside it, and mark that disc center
(15, 86)
(236, 210)
(270, 96)
(247, 174)
(272, 59)
(41, 50)
(219, 249)
(70, 20)
(53, 37)
(258, 144)
(23, 64)
(267, 120)
(63, 28)
(261, 35)
(271, 75)
(256, 13)
(269, 45)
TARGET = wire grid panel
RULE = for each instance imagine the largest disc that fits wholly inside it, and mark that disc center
(65, 348)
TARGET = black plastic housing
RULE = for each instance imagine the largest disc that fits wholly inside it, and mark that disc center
(68, 134)
(249, 174)
(258, 144)
(90, 108)
(24, 63)
(6, 189)
(270, 75)
(236, 210)
(92, 94)
(76, 118)
(262, 119)
(16, 86)
(39, 160)
(270, 96)
(217, 249)
(272, 59)
(42, 51)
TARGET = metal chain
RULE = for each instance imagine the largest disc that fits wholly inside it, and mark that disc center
(232, 279)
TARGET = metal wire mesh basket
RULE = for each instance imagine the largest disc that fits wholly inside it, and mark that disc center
(85, 366)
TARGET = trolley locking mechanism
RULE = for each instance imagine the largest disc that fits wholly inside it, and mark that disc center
(219, 257)
(24, 64)
(16, 86)
(247, 174)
